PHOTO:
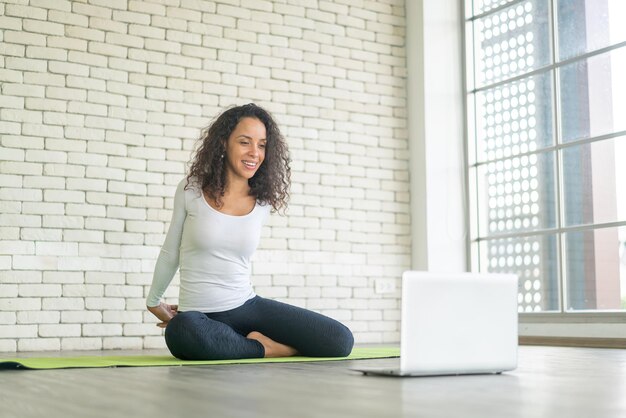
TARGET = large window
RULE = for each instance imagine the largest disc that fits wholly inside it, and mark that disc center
(547, 149)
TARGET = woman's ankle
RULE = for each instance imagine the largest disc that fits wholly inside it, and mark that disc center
(272, 348)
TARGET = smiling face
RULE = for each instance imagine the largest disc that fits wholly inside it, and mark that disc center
(245, 149)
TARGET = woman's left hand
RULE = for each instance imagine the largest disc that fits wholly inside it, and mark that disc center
(164, 312)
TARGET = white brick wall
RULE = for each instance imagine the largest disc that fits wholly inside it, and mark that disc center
(100, 107)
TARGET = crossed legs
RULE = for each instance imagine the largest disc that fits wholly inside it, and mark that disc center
(259, 328)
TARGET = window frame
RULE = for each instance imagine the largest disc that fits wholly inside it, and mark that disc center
(562, 316)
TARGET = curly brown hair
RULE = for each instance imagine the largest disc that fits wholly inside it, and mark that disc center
(269, 185)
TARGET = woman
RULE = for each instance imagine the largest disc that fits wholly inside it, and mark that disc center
(239, 173)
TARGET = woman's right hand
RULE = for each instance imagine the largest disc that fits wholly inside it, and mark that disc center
(164, 312)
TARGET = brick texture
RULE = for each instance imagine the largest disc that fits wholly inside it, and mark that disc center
(100, 108)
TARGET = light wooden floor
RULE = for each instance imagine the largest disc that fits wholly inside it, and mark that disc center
(549, 382)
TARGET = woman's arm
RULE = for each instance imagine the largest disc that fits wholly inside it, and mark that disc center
(167, 262)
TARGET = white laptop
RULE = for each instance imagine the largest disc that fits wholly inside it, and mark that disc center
(464, 323)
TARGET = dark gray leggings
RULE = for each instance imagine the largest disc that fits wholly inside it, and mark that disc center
(195, 335)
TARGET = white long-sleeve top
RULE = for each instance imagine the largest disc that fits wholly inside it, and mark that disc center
(213, 252)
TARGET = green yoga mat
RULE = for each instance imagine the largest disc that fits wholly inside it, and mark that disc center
(45, 363)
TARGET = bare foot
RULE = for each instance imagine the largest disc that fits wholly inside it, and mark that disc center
(272, 348)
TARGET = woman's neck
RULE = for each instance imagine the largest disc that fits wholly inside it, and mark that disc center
(237, 188)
